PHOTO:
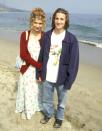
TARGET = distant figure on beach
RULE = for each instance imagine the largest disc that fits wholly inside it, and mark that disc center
(60, 57)
(28, 95)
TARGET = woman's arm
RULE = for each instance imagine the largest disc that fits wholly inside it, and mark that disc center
(25, 55)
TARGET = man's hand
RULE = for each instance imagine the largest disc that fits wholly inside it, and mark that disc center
(39, 80)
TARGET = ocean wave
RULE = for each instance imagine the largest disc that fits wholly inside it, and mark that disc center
(82, 27)
(91, 43)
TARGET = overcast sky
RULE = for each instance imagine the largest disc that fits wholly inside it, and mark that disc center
(73, 6)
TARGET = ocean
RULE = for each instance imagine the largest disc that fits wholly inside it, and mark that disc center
(86, 27)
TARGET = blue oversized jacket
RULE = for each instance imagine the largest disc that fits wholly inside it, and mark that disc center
(69, 59)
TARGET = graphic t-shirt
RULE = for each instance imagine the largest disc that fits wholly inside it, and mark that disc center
(54, 56)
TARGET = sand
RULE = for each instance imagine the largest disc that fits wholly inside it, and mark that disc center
(84, 108)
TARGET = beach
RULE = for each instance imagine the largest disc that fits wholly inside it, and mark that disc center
(84, 107)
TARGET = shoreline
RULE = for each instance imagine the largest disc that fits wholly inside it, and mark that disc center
(8, 33)
(90, 54)
(99, 45)
(84, 108)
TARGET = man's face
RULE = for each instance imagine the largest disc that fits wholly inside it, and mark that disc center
(60, 20)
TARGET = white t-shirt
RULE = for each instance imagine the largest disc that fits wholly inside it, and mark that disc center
(54, 56)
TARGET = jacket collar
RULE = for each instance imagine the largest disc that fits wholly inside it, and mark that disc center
(66, 38)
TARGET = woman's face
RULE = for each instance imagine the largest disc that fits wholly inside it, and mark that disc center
(37, 25)
(60, 20)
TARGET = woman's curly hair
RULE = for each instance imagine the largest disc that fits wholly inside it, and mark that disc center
(38, 13)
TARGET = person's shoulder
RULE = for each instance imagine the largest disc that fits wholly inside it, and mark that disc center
(48, 32)
(72, 36)
(23, 32)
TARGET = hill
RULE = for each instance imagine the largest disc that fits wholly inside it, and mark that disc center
(5, 8)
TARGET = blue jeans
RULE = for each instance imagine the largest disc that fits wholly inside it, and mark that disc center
(48, 94)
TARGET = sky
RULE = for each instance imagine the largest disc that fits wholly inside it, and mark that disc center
(73, 6)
